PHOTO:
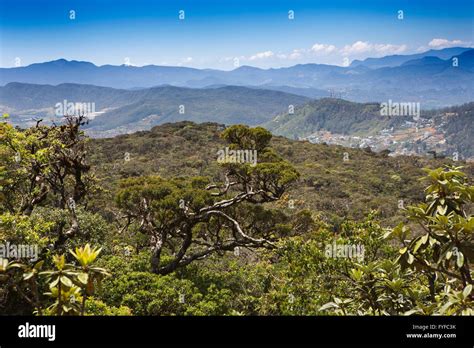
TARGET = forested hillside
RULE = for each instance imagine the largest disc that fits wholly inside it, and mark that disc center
(447, 131)
(153, 223)
(335, 115)
(118, 111)
(338, 181)
(457, 122)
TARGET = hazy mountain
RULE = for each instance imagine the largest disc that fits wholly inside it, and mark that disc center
(24, 96)
(466, 60)
(126, 110)
(397, 60)
(428, 77)
(309, 92)
(63, 71)
(313, 93)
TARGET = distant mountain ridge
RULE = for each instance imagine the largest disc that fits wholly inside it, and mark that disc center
(124, 111)
(397, 60)
(438, 82)
(118, 111)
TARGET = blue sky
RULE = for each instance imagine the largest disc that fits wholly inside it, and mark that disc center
(225, 33)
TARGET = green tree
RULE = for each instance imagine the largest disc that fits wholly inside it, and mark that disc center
(432, 272)
(45, 165)
(192, 219)
(68, 285)
(446, 243)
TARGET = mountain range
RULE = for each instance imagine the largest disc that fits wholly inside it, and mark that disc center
(123, 111)
(335, 120)
(398, 59)
(311, 101)
(431, 77)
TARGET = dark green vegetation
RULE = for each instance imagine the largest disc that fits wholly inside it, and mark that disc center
(310, 229)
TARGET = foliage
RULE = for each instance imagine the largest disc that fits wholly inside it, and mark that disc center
(194, 218)
(68, 285)
(432, 274)
(300, 233)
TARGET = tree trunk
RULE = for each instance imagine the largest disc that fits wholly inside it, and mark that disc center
(156, 256)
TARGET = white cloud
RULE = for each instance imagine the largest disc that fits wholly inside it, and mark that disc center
(323, 53)
(327, 52)
(360, 47)
(445, 43)
(301, 53)
(356, 48)
(390, 49)
(322, 48)
(262, 55)
(185, 61)
(295, 55)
